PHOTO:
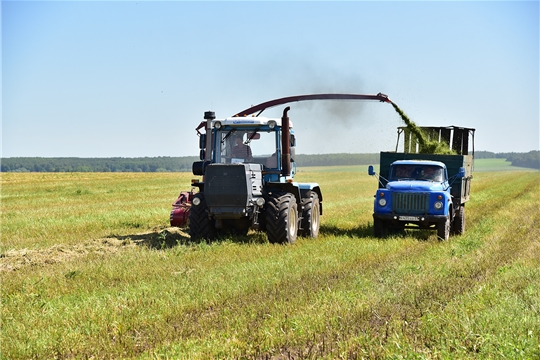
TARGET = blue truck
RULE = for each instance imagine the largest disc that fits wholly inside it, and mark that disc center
(424, 191)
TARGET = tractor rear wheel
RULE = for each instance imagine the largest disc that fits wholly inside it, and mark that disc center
(311, 215)
(282, 218)
(201, 227)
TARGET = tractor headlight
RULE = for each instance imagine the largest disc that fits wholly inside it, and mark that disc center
(438, 205)
(382, 202)
(271, 124)
(260, 202)
(196, 201)
(217, 125)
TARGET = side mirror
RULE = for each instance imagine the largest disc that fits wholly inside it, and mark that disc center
(461, 173)
(202, 154)
(371, 170)
(199, 167)
(293, 140)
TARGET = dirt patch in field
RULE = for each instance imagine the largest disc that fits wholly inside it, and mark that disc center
(12, 260)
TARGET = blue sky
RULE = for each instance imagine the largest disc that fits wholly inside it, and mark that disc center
(133, 79)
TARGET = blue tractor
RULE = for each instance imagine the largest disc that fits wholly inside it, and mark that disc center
(248, 182)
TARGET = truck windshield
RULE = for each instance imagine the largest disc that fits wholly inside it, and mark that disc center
(242, 146)
(416, 172)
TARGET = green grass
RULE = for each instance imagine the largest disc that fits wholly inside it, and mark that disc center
(497, 165)
(98, 273)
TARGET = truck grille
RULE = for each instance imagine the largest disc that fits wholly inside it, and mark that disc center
(410, 203)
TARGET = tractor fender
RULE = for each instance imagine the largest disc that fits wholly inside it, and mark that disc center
(306, 187)
(289, 187)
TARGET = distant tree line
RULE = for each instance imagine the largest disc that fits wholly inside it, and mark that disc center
(174, 164)
(336, 159)
(528, 160)
(156, 164)
(71, 164)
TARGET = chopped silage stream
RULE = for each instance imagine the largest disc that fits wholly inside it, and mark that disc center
(426, 146)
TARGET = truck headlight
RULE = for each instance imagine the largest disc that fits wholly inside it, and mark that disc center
(217, 125)
(272, 124)
(382, 202)
(196, 201)
(260, 202)
(438, 205)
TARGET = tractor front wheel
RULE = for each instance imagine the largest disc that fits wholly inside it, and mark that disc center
(201, 227)
(282, 218)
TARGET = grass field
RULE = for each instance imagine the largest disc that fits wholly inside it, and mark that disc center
(90, 269)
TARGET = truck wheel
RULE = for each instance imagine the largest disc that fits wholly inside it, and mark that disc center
(282, 218)
(458, 227)
(200, 225)
(443, 230)
(379, 230)
(310, 215)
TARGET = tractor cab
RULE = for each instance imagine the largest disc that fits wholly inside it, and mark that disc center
(242, 140)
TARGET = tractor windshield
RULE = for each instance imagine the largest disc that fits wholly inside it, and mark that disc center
(241, 146)
(416, 172)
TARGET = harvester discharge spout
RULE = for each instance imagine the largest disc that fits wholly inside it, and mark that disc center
(268, 104)
(182, 207)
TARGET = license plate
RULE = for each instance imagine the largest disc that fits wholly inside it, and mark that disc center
(409, 218)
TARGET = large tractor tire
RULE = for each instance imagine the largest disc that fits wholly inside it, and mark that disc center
(311, 214)
(282, 218)
(201, 227)
(458, 226)
(443, 230)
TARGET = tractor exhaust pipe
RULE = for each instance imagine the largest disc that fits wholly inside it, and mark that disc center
(285, 143)
(208, 116)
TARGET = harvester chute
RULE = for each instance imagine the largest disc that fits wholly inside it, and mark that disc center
(182, 207)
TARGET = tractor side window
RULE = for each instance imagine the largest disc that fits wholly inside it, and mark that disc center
(264, 149)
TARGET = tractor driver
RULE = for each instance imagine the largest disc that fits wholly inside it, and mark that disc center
(241, 150)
